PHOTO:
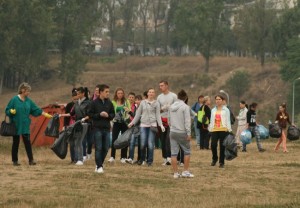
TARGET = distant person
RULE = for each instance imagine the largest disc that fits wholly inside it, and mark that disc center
(19, 109)
(165, 99)
(180, 133)
(148, 113)
(120, 122)
(204, 134)
(101, 113)
(219, 127)
(253, 127)
(196, 108)
(242, 121)
(282, 118)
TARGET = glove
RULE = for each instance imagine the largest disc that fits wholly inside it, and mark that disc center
(47, 115)
(82, 120)
(13, 111)
(162, 128)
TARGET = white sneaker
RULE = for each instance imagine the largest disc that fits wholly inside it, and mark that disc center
(100, 170)
(89, 156)
(79, 163)
(111, 160)
(129, 161)
(84, 158)
(176, 175)
(181, 164)
(123, 160)
(187, 174)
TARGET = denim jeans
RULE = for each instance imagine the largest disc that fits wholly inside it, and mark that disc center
(147, 140)
(101, 141)
(132, 145)
(254, 131)
(197, 132)
(79, 142)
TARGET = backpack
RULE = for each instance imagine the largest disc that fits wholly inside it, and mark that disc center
(202, 119)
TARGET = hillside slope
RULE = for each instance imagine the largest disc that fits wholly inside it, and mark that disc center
(139, 73)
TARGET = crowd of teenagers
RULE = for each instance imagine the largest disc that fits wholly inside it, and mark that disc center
(164, 121)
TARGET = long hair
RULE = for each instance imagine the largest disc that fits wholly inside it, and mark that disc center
(116, 97)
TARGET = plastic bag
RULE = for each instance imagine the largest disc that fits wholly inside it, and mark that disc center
(293, 133)
(263, 132)
(231, 148)
(123, 139)
(52, 129)
(274, 130)
(246, 136)
(60, 145)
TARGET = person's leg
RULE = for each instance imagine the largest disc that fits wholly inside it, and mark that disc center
(197, 133)
(143, 143)
(167, 144)
(105, 144)
(214, 147)
(174, 151)
(72, 151)
(15, 148)
(139, 147)
(131, 146)
(27, 143)
(124, 150)
(202, 139)
(98, 148)
(206, 139)
(222, 136)
(283, 136)
(257, 136)
(115, 134)
(278, 144)
(163, 143)
(150, 139)
(84, 146)
(79, 146)
(90, 141)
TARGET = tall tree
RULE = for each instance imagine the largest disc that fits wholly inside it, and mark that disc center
(144, 15)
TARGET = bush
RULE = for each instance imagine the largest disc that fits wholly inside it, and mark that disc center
(240, 79)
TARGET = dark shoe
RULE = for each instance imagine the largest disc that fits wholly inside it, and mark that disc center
(221, 165)
(243, 150)
(213, 163)
(32, 163)
(262, 150)
(16, 164)
(140, 162)
(149, 164)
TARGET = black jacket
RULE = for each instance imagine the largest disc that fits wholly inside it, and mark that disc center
(98, 106)
(81, 111)
(251, 118)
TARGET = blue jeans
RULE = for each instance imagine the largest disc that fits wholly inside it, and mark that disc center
(197, 132)
(101, 141)
(147, 140)
(132, 145)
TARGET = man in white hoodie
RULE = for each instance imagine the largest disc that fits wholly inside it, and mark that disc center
(180, 133)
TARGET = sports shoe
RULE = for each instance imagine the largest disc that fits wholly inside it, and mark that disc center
(243, 150)
(176, 175)
(165, 161)
(187, 174)
(89, 156)
(221, 165)
(140, 162)
(84, 158)
(123, 160)
(99, 170)
(129, 161)
(262, 150)
(181, 164)
(111, 159)
(79, 162)
(32, 162)
(213, 163)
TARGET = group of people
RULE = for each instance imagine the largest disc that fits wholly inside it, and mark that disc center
(168, 117)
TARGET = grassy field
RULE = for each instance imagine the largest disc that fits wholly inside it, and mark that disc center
(253, 179)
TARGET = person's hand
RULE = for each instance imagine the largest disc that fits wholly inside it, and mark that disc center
(126, 109)
(83, 120)
(13, 111)
(104, 114)
(189, 138)
(130, 125)
(47, 115)
(162, 128)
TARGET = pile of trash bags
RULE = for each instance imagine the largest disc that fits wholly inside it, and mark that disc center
(246, 136)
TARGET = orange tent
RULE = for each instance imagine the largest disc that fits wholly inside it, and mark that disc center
(38, 125)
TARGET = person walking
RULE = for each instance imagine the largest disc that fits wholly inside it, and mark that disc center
(101, 113)
(148, 113)
(19, 109)
(179, 119)
(282, 118)
(242, 121)
(165, 100)
(219, 127)
(120, 122)
(196, 108)
(253, 127)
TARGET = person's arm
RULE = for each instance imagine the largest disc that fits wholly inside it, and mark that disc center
(10, 109)
(36, 111)
(207, 112)
(187, 120)
(111, 113)
(228, 119)
(158, 118)
(137, 114)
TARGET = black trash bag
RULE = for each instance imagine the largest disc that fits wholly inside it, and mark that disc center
(124, 139)
(231, 148)
(52, 129)
(274, 130)
(60, 145)
(293, 133)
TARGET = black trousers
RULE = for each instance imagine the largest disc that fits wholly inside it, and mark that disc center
(15, 147)
(215, 137)
(165, 142)
(117, 128)
(204, 139)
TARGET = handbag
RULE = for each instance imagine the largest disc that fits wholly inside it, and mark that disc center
(8, 129)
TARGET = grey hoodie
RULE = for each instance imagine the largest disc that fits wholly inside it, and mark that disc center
(180, 117)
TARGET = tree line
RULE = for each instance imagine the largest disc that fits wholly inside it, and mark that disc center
(30, 30)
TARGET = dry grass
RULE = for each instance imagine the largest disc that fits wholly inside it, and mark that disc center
(252, 180)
